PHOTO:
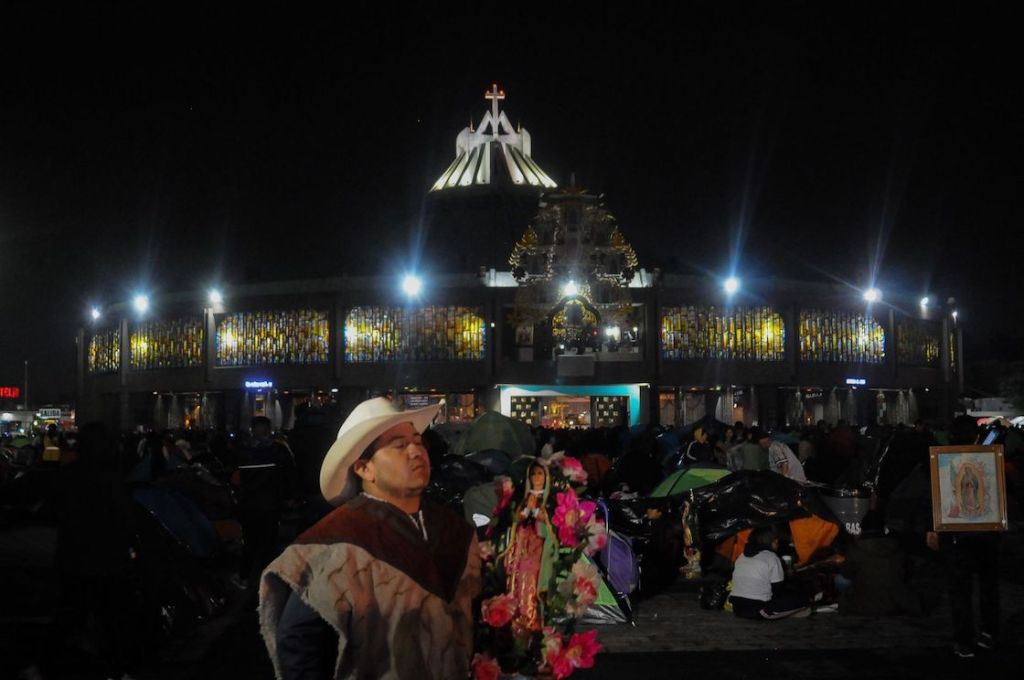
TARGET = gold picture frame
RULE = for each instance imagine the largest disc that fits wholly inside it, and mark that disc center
(524, 335)
(968, 488)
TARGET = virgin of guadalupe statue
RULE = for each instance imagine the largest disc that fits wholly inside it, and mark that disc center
(532, 548)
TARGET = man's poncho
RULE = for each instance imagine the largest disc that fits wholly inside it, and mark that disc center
(401, 605)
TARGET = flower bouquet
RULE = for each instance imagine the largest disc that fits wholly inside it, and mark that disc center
(537, 575)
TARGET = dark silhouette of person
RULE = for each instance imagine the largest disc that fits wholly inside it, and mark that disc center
(266, 476)
(96, 542)
(968, 556)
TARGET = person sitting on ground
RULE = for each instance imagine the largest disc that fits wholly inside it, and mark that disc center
(877, 567)
(758, 581)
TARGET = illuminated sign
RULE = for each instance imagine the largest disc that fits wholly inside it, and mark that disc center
(856, 381)
(48, 413)
(10, 392)
(258, 384)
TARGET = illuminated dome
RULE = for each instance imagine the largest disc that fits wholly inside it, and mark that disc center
(494, 152)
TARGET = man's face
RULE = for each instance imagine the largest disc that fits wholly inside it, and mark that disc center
(400, 466)
(764, 442)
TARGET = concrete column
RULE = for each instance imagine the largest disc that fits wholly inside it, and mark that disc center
(649, 413)
(488, 399)
(338, 343)
(124, 417)
(792, 320)
(891, 345)
(209, 343)
(944, 351)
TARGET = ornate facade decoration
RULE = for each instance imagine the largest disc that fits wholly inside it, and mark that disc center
(574, 268)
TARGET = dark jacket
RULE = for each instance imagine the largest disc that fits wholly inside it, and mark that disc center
(267, 473)
(877, 566)
(697, 452)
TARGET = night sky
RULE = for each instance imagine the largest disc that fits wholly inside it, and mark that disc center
(169, 150)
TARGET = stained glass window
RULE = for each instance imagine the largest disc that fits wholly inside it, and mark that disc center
(840, 336)
(435, 333)
(294, 336)
(174, 343)
(708, 332)
(105, 352)
(373, 334)
(918, 342)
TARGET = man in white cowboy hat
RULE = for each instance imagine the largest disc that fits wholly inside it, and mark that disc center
(383, 586)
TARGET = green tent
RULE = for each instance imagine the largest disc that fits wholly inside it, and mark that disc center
(688, 478)
(496, 432)
(607, 608)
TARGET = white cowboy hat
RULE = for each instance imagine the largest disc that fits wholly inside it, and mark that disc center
(368, 420)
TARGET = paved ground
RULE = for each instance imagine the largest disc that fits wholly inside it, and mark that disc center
(673, 637)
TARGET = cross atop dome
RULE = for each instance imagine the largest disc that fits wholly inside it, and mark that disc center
(483, 156)
(494, 94)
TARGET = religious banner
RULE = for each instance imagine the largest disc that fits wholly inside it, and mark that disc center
(968, 488)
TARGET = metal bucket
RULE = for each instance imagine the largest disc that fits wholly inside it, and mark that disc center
(849, 506)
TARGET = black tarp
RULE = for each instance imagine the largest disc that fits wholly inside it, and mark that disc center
(750, 498)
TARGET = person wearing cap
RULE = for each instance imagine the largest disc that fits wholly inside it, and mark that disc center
(382, 587)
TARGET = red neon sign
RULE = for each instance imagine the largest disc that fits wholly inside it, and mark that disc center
(10, 392)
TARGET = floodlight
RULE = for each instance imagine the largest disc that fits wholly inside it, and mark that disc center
(872, 295)
(412, 285)
(141, 303)
(215, 297)
(731, 285)
(95, 313)
(570, 289)
(925, 301)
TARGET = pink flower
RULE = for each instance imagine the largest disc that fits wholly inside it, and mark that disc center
(581, 649)
(561, 667)
(485, 668)
(505, 488)
(572, 468)
(552, 641)
(498, 610)
(585, 590)
(570, 517)
(551, 649)
(597, 536)
(579, 588)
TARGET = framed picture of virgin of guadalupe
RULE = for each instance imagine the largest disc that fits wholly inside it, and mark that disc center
(968, 488)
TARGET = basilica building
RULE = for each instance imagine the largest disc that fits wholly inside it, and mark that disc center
(540, 308)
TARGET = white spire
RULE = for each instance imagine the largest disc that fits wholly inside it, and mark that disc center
(473, 150)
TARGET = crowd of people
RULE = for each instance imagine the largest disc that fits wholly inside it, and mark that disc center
(260, 489)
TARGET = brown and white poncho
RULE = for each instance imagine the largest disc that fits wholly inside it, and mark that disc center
(401, 605)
